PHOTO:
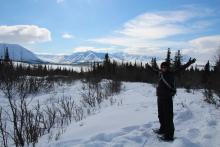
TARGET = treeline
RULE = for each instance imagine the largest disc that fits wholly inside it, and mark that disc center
(7, 67)
(192, 78)
(122, 71)
(37, 70)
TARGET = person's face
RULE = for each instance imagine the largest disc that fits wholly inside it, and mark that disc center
(164, 68)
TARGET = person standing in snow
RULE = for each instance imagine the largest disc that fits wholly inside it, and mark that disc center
(165, 92)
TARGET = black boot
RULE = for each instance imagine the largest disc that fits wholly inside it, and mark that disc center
(158, 131)
(167, 138)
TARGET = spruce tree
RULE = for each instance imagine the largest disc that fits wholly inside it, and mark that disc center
(207, 67)
(135, 64)
(206, 75)
(215, 77)
(154, 63)
(6, 55)
(107, 65)
(177, 60)
(106, 60)
(217, 65)
(168, 58)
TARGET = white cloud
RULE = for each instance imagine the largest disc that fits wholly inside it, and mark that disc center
(60, 1)
(204, 48)
(156, 25)
(127, 42)
(67, 36)
(206, 43)
(159, 25)
(150, 33)
(24, 34)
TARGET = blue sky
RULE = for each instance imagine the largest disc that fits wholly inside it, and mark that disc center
(134, 26)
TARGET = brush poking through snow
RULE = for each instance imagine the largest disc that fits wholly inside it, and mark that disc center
(129, 122)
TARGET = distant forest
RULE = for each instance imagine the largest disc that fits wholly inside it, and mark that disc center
(192, 78)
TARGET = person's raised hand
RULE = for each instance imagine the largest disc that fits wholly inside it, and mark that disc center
(191, 61)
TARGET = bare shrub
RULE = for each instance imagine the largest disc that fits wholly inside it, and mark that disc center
(26, 122)
(210, 98)
(49, 117)
(3, 131)
(208, 94)
(94, 93)
(90, 94)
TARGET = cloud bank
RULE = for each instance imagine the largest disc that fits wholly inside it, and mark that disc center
(204, 48)
(29, 34)
(152, 33)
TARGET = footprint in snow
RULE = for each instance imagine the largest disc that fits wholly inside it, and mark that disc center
(184, 142)
(130, 128)
(193, 133)
(137, 110)
(184, 116)
(103, 137)
(135, 138)
(212, 123)
(148, 125)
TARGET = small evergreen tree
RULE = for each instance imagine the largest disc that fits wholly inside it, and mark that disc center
(106, 60)
(168, 58)
(207, 67)
(206, 76)
(154, 63)
(177, 60)
(217, 65)
(107, 65)
(6, 58)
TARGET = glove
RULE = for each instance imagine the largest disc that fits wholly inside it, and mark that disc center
(191, 61)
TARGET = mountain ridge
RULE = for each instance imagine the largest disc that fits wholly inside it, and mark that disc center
(92, 56)
(18, 53)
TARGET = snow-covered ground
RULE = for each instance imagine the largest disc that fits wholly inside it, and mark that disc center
(130, 121)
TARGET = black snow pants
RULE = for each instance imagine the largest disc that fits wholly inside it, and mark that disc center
(165, 115)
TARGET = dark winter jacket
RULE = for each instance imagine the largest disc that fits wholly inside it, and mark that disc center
(163, 91)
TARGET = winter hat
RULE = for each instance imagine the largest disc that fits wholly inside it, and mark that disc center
(165, 64)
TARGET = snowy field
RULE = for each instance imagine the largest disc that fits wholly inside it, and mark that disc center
(129, 122)
(74, 67)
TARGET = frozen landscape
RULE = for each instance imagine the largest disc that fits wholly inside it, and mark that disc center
(83, 73)
(130, 120)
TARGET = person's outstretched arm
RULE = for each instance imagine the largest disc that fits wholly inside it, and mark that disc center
(183, 67)
(155, 70)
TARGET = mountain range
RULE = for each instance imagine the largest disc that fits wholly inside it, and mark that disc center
(19, 53)
(91, 56)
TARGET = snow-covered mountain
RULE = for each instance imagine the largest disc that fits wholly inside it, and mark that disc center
(125, 57)
(81, 57)
(51, 58)
(18, 53)
(91, 56)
